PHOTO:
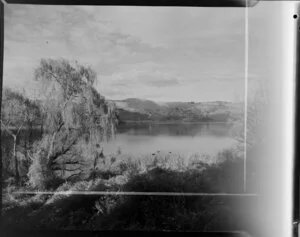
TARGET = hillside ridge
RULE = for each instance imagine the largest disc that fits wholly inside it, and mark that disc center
(140, 110)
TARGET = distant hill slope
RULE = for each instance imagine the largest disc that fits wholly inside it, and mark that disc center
(138, 110)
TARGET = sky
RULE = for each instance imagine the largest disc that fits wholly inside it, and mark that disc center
(155, 53)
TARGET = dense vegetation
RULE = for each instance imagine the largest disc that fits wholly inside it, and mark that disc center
(159, 173)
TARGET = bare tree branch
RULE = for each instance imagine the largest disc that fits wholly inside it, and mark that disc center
(7, 129)
(52, 140)
(70, 163)
(66, 169)
(62, 152)
(74, 175)
(19, 129)
(54, 76)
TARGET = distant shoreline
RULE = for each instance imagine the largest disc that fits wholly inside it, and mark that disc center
(169, 122)
(38, 127)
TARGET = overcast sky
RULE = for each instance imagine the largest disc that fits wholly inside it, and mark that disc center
(162, 54)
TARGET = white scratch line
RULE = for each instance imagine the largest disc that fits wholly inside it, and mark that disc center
(137, 193)
(246, 92)
(4, 2)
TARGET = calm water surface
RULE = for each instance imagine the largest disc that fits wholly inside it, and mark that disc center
(138, 139)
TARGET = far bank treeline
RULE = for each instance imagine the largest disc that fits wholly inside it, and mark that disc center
(74, 119)
(138, 110)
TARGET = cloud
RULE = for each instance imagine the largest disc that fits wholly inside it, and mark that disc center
(159, 79)
(113, 92)
(144, 77)
(148, 81)
(135, 51)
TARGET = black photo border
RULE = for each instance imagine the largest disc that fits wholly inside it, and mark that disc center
(176, 3)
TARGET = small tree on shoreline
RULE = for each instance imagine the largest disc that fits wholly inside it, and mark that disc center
(17, 112)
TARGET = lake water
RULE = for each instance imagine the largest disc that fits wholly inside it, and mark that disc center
(185, 139)
(145, 139)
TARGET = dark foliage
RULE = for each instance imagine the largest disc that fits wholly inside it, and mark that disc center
(142, 212)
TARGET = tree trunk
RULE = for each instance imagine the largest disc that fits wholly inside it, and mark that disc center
(51, 148)
(17, 175)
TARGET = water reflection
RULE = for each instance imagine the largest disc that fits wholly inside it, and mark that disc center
(138, 139)
(207, 129)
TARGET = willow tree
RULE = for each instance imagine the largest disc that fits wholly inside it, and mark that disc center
(77, 119)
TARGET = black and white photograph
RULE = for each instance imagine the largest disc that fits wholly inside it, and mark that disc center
(133, 118)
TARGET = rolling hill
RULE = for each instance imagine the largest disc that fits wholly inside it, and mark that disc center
(138, 110)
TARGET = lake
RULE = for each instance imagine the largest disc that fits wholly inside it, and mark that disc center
(136, 139)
